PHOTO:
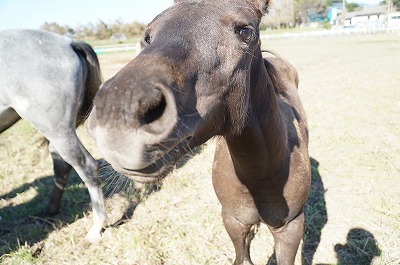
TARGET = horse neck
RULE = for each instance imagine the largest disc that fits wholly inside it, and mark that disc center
(260, 150)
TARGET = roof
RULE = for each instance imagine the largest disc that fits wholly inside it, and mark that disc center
(368, 11)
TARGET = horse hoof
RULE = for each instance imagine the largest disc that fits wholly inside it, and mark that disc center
(93, 236)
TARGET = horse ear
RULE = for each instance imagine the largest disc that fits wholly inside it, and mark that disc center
(261, 5)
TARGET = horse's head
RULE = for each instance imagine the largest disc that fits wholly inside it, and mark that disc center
(190, 82)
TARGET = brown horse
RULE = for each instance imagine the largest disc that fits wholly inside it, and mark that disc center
(201, 74)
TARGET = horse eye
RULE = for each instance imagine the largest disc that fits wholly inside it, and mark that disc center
(147, 39)
(245, 33)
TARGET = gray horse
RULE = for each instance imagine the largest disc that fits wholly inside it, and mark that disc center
(50, 81)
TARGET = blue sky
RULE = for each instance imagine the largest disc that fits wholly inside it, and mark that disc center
(33, 13)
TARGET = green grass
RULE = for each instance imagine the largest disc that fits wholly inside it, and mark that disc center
(350, 90)
(22, 256)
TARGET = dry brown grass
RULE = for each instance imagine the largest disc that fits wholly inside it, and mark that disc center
(350, 90)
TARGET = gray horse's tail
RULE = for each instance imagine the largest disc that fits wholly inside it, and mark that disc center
(93, 78)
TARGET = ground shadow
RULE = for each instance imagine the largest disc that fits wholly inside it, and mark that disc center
(360, 248)
(116, 183)
(27, 222)
(186, 158)
(316, 215)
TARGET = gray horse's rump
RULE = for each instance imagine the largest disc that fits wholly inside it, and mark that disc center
(37, 72)
(50, 80)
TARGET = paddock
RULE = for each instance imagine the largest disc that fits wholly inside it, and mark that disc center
(349, 86)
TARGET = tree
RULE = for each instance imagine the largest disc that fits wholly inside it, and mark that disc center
(86, 31)
(281, 14)
(117, 28)
(310, 10)
(134, 29)
(54, 27)
(395, 3)
(352, 7)
(103, 32)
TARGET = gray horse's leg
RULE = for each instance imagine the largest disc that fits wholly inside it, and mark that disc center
(287, 240)
(61, 171)
(72, 151)
(241, 236)
(8, 117)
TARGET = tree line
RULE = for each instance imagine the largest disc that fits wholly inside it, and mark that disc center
(285, 13)
(291, 13)
(99, 30)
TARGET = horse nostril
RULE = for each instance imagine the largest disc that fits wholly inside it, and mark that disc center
(152, 110)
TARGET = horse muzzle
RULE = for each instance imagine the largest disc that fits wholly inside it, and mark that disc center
(138, 130)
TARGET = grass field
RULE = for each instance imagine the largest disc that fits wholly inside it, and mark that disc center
(350, 88)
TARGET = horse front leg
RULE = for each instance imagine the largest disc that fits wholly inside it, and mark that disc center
(72, 151)
(287, 240)
(241, 236)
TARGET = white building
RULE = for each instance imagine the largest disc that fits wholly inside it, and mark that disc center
(393, 21)
(370, 17)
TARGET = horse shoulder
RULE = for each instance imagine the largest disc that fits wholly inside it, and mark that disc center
(285, 80)
(283, 74)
